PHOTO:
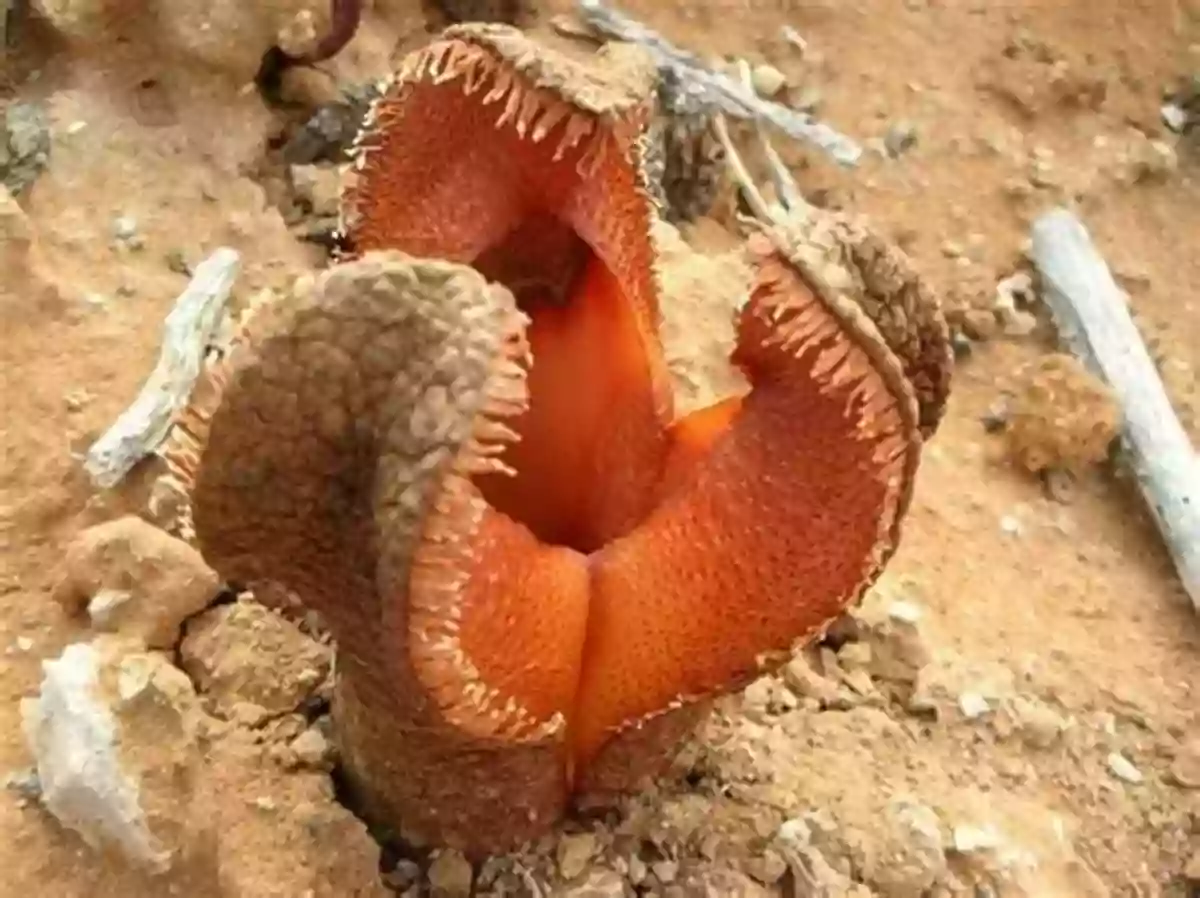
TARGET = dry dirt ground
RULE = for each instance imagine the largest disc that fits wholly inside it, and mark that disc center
(1014, 712)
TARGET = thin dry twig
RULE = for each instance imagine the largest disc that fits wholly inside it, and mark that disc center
(714, 91)
(1093, 322)
(790, 199)
(187, 334)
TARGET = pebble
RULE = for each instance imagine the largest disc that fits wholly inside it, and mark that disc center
(1152, 162)
(962, 345)
(767, 869)
(996, 418)
(951, 249)
(404, 875)
(973, 705)
(1040, 725)
(855, 656)
(450, 875)
(125, 227)
(1011, 525)
(665, 871)
(900, 138)
(807, 683)
(575, 851)
(1174, 117)
(24, 146)
(311, 748)
(980, 324)
(767, 80)
(968, 838)
(1122, 768)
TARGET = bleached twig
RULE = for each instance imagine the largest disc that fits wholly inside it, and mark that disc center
(187, 333)
(788, 194)
(716, 91)
(1093, 321)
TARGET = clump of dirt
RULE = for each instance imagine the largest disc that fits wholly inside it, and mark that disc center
(131, 578)
(1061, 416)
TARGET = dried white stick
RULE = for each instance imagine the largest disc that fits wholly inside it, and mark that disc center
(785, 185)
(1089, 310)
(789, 196)
(714, 90)
(187, 333)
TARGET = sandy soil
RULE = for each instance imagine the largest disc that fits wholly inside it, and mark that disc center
(1014, 712)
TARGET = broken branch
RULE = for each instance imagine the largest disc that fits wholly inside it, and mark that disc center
(789, 197)
(1089, 311)
(187, 334)
(715, 91)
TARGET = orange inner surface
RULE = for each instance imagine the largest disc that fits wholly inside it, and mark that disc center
(593, 449)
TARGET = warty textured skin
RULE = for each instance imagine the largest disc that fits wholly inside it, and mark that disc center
(534, 607)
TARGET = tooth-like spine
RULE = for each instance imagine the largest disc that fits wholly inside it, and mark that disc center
(511, 106)
(554, 113)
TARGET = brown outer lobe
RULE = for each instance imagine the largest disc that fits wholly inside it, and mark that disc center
(882, 281)
(316, 388)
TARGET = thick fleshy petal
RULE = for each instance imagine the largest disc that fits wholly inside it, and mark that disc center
(775, 529)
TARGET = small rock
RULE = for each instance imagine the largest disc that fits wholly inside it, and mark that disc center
(113, 734)
(855, 656)
(1018, 323)
(404, 875)
(450, 875)
(1174, 117)
(1039, 725)
(1014, 290)
(665, 871)
(245, 654)
(807, 683)
(24, 146)
(909, 859)
(952, 249)
(980, 324)
(768, 868)
(900, 137)
(318, 187)
(995, 419)
(1151, 162)
(968, 839)
(767, 80)
(1122, 768)
(973, 705)
(961, 344)
(574, 852)
(125, 231)
(892, 631)
(311, 749)
(135, 580)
